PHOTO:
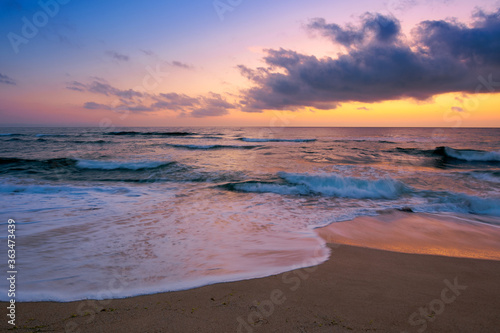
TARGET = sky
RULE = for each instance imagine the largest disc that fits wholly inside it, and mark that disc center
(250, 63)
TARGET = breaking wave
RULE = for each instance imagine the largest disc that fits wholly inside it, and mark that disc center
(469, 155)
(333, 185)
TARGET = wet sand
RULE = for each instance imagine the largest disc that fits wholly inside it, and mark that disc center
(358, 289)
(446, 235)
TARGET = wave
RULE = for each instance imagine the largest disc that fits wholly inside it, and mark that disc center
(211, 147)
(275, 140)
(69, 169)
(11, 134)
(115, 165)
(51, 135)
(468, 155)
(17, 164)
(458, 203)
(91, 142)
(414, 151)
(478, 205)
(333, 185)
(134, 133)
(448, 153)
(365, 140)
(53, 189)
(489, 176)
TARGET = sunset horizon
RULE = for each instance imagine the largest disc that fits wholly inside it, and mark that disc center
(379, 66)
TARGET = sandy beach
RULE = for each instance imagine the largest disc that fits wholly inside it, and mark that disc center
(357, 290)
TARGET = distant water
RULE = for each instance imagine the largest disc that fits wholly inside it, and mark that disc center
(109, 214)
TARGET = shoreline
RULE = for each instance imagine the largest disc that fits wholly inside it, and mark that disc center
(448, 235)
(358, 289)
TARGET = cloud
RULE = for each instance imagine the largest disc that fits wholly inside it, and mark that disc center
(213, 105)
(181, 65)
(7, 79)
(135, 108)
(76, 86)
(96, 106)
(175, 102)
(98, 78)
(147, 52)
(118, 56)
(403, 5)
(477, 46)
(379, 64)
(457, 109)
(103, 88)
(374, 27)
(364, 108)
(210, 111)
(119, 108)
(208, 105)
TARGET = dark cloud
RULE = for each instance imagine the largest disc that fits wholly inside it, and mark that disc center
(380, 64)
(118, 56)
(181, 65)
(7, 79)
(374, 27)
(477, 45)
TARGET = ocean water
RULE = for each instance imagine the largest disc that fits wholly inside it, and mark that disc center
(116, 213)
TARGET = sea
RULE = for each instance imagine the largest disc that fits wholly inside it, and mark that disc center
(112, 213)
